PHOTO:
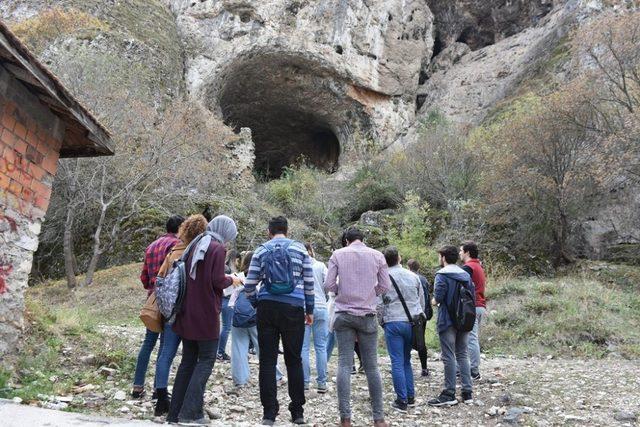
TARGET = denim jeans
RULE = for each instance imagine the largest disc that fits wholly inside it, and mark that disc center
(331, 342)
(187, 401)
(278, 320)
(240, 338)
(365, 329)
(454, 345)
(144, 355)
(398, 336)
(169, 343)
(474, 341)
(319, 328)
(226, 314)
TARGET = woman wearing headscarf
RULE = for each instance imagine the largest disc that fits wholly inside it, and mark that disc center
(198, 323)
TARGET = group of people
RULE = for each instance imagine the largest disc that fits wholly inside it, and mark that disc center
(281, 296)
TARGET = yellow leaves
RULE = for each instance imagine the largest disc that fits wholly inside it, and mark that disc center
(45, 27)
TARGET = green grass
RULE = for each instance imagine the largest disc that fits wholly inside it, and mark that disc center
(569, 317)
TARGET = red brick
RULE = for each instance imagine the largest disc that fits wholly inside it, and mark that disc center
(32, 137)
(20, 130)
(15, 187)
(8, 121)
(50, 163)
(25, 179)
(33, 155)
(37, 172)
(41, 190)
(27, 195)
(8, 137)
(4, 181)
(41, 203)
(20, 146)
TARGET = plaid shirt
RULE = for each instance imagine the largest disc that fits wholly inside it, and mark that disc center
(154, 256)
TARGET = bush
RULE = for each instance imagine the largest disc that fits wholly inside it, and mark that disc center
(369, 190)
(42, 29)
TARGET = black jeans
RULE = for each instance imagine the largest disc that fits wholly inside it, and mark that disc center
(423, 353)
(187, 400)
(277, 320)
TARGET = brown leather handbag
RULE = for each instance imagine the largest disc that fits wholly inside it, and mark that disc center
(150, 314)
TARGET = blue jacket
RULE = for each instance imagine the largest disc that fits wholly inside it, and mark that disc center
(444, 290)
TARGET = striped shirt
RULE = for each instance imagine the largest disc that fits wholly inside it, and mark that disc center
(363, 276)
(302, 296)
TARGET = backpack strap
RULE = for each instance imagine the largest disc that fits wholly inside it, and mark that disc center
(401, 298)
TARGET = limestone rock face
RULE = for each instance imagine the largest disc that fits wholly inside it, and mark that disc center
(479, 23)
(465, 85)
(306, 76)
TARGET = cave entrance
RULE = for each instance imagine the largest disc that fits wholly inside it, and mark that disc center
(297, 111)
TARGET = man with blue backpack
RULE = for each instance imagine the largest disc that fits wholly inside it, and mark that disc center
(284, 305)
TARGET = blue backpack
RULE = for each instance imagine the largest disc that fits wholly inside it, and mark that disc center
(244, 315)
(278, 268)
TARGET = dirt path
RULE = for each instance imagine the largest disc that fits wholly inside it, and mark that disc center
(527, 391)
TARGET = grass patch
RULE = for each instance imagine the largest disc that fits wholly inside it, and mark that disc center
(569, 316)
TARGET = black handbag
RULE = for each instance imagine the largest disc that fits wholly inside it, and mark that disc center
(417, 322)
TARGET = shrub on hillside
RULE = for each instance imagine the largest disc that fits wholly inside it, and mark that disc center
(42, 29)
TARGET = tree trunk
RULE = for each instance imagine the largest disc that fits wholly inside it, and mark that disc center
(69, 256)
(97, 251)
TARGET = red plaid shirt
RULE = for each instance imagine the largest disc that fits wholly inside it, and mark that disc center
(154, 256)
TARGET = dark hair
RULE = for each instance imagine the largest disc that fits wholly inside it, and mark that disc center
(413, 265)
(278, 225)
(471, 248)
(309, 248)
(173, 223)
(206, 213)
(246, 262)
(352, 234)
(391, 256)
(232, 256)
(450, 254)
(343, 239)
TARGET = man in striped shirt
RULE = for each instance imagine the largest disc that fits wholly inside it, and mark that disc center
(281, 316)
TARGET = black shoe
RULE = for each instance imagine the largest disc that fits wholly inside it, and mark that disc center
(223, 357)
(399, 405)
(298, 420)
(137, 394)
(445, 399)
(411, 401)
(425, 373)
(467, 397)
(476, 376)
(163, 402)
(267, 422)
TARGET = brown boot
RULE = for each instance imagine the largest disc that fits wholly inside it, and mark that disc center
(345, 422)
(380, 423)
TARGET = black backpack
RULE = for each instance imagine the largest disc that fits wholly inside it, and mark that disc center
(462, 309)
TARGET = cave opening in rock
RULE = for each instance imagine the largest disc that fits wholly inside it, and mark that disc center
(297, 111)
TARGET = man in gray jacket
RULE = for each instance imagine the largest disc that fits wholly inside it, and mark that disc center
(397, 325)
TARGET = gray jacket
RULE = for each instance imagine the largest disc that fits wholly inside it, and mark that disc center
(389, 306)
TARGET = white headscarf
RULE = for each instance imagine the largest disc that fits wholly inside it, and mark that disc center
(222, 229)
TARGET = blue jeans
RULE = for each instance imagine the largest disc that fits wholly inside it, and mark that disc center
(398, 337)
(144, 355)
(319, 329)
(169, 343)
(331, 342)
(240, 338)
(227, 317)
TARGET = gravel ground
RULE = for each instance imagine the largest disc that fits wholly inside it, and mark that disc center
(535, 391)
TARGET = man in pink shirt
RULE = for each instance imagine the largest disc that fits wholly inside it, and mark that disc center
(363, 276)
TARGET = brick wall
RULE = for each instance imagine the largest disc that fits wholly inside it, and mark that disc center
(30, 140)
(29, 161)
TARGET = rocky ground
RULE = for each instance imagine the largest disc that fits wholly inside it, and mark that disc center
(534, 391)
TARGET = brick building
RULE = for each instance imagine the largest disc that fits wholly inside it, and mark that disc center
(40, 122)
